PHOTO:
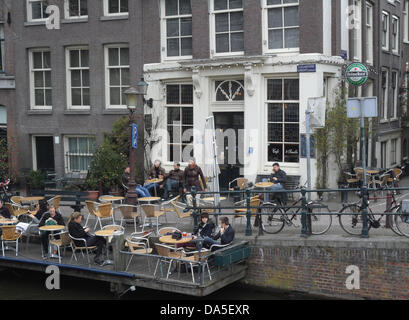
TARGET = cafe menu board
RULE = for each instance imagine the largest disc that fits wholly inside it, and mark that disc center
(304, 146)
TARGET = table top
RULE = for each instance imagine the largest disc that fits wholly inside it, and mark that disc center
(212, 199)
(155, 180)
(105, 233)
(8, 221)
(149, 199)
(52, 228)
(29, 199)
(264, 184)
(169, 240)
(111, 198)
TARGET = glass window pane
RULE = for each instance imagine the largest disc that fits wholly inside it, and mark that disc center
(113, 6)
(85, 97)
(291, 89)
(187, 94)
(235, 4)
(114, 76)
(174, 152)
(292, 38)
(172, 94)
(85, 78)
(273, 2)
(237, 42)
(222, 22)
(125, 76)
(115, 96)
(46, 59)
(72, 145)
(275, 132)
(37, 60)
(275, 112)
(84, 58)
(124, 56)
(236, 21)
(38, 79)
(291, 132)
(291, 17)
(84, 8)
(76, 97)
(47, 78)
(187, 116)
(290, 1)
(186, 46)
(36, 10)
(173, 115)
(291, 152)
(275, 152)
(172, 27)
(74, 58)
(185, 7)
(124, 5)
(73, 7)
(291, 112)
(173, 47)
(275, 39)
(220, 4)
(48, 97)
(186, 27)
(39, 97)
(274, 89)
(275, 18)
(171, 7)
(222, 43)
(113, 54)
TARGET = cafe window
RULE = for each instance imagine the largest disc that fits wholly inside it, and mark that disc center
(80, 151)
(283, 120)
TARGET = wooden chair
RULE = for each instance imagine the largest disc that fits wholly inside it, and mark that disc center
(241, 183)
(9, 235)
(16, 210)
(242, 212)
(151, 211)
(394, 180)
(55, 201)
(167, 207)
(201, 182)
(128, 213)
(178, 207)
(167, 255)
(193, 261)
(104, 212)
(137, 246)
(81, 248)
(92, 207)
(63, 242)
(351, 179)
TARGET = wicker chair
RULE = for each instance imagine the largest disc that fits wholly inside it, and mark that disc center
(137, 246)
(92, 207)
(75, 247)
(167, 207)
(242, 212)
(129, 213)
(241, 183)
(63, 242)
(15, 209)
(9, 235)
(151, 211)
(193, 261)
(179, 211)
(104, 212)
(167, 255)
(55, 201)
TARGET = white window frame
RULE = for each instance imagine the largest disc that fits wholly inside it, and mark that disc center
(369, 33)
(265, 27)
(31, 79)
(67, 10)
(386, 47)
(385, 94)
(107, 67)
(106, 10)
(395, 94)
(2, 53)
(383, 153)
(164, 38)
(394, 151)
(266, 122)
(68, 73)
(67, 151)
(357, 32)
(405, 17)
(30, 11)
(395, 38)
(212, 29)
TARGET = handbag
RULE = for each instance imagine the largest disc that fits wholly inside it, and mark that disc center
(177, 235)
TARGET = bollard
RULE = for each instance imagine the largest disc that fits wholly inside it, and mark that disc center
(195, 213)
(118, 245)
(344, 194)
(388, 207)
(248, 214)
(364, 191)
(304, 213)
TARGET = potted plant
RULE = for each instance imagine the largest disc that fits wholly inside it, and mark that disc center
(92, 188)
(36, 180)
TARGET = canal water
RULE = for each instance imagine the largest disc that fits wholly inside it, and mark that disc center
(25, 285)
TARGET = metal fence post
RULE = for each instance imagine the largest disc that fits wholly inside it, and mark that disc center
(248, 214)
(364, 190)
(304, 213)
(195, 213)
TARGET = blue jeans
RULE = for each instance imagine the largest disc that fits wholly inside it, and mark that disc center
(169, 185)
(208, 242)
(142, 191)
(151, 186)
(275, 187)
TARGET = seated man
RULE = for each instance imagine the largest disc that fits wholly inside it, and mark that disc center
(156, 172)
(279, 177)
(50, 217)
(172, 180)
(141, 191)
(226, 234)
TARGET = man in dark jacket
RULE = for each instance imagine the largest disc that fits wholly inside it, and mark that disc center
(174, 179)
(156, 172)
(192, 175)
(226, 234)
(279, 177)
(4, 212)
(50, 217)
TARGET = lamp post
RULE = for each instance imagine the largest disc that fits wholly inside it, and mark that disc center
(135, 106)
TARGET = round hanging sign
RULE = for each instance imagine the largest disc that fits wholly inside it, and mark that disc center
(357, 74)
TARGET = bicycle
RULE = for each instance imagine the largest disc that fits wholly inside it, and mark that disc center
(274, 216)
(352, 222)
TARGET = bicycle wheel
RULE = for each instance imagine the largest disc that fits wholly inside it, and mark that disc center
(320, 222)
(402, 224)
(272, 218)
(392, 222)
(351, 223)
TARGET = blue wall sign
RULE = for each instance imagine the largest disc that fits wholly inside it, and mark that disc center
(304, 146)
(307, 68)
(134, 136)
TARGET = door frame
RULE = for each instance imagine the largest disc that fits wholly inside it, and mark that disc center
(34, 148)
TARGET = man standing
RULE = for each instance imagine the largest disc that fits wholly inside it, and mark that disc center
(191, 178)
(174, 179)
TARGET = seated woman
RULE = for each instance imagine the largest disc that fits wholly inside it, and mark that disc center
(204, 229)
(77, 231)
(49, 217)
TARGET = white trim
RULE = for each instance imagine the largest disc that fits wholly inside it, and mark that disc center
(30, 11)
(396, 50)
(68, 78)
(107, 14)
(395, 93)
(357, 32)
(67, 10)
(67, 167)
(386, 47)
(369, 30)
(405, 17)
(385, 95)
(31, 79)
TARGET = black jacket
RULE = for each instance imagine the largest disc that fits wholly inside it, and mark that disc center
(58, 217)
(227, 236)
(77, 231)
(280, 175)
(191, 178)
(205, 230)
(5, 212)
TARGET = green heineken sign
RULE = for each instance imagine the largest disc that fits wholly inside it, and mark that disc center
(356, 74)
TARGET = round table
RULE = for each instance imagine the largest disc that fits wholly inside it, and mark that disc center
(111, 198)
(265, 185)
(106, 234)
(149, 199)
(155, 181)
(212, 199)
(169, 240)
(31, 200)
(52, 228)
(7, 222)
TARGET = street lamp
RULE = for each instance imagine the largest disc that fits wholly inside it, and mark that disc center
(133, 101)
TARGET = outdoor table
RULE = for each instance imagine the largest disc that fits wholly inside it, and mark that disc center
(31, 200)
(169, 240)
(265, 185)
(106, 234)
(111, 198)
(52, 229)
(148, 199)
(155, 181)
(212, 199)
(7, 222)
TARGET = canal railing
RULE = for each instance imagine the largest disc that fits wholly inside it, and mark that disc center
(305, 212)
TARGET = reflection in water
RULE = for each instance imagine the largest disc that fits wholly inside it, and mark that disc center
(18, 284)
